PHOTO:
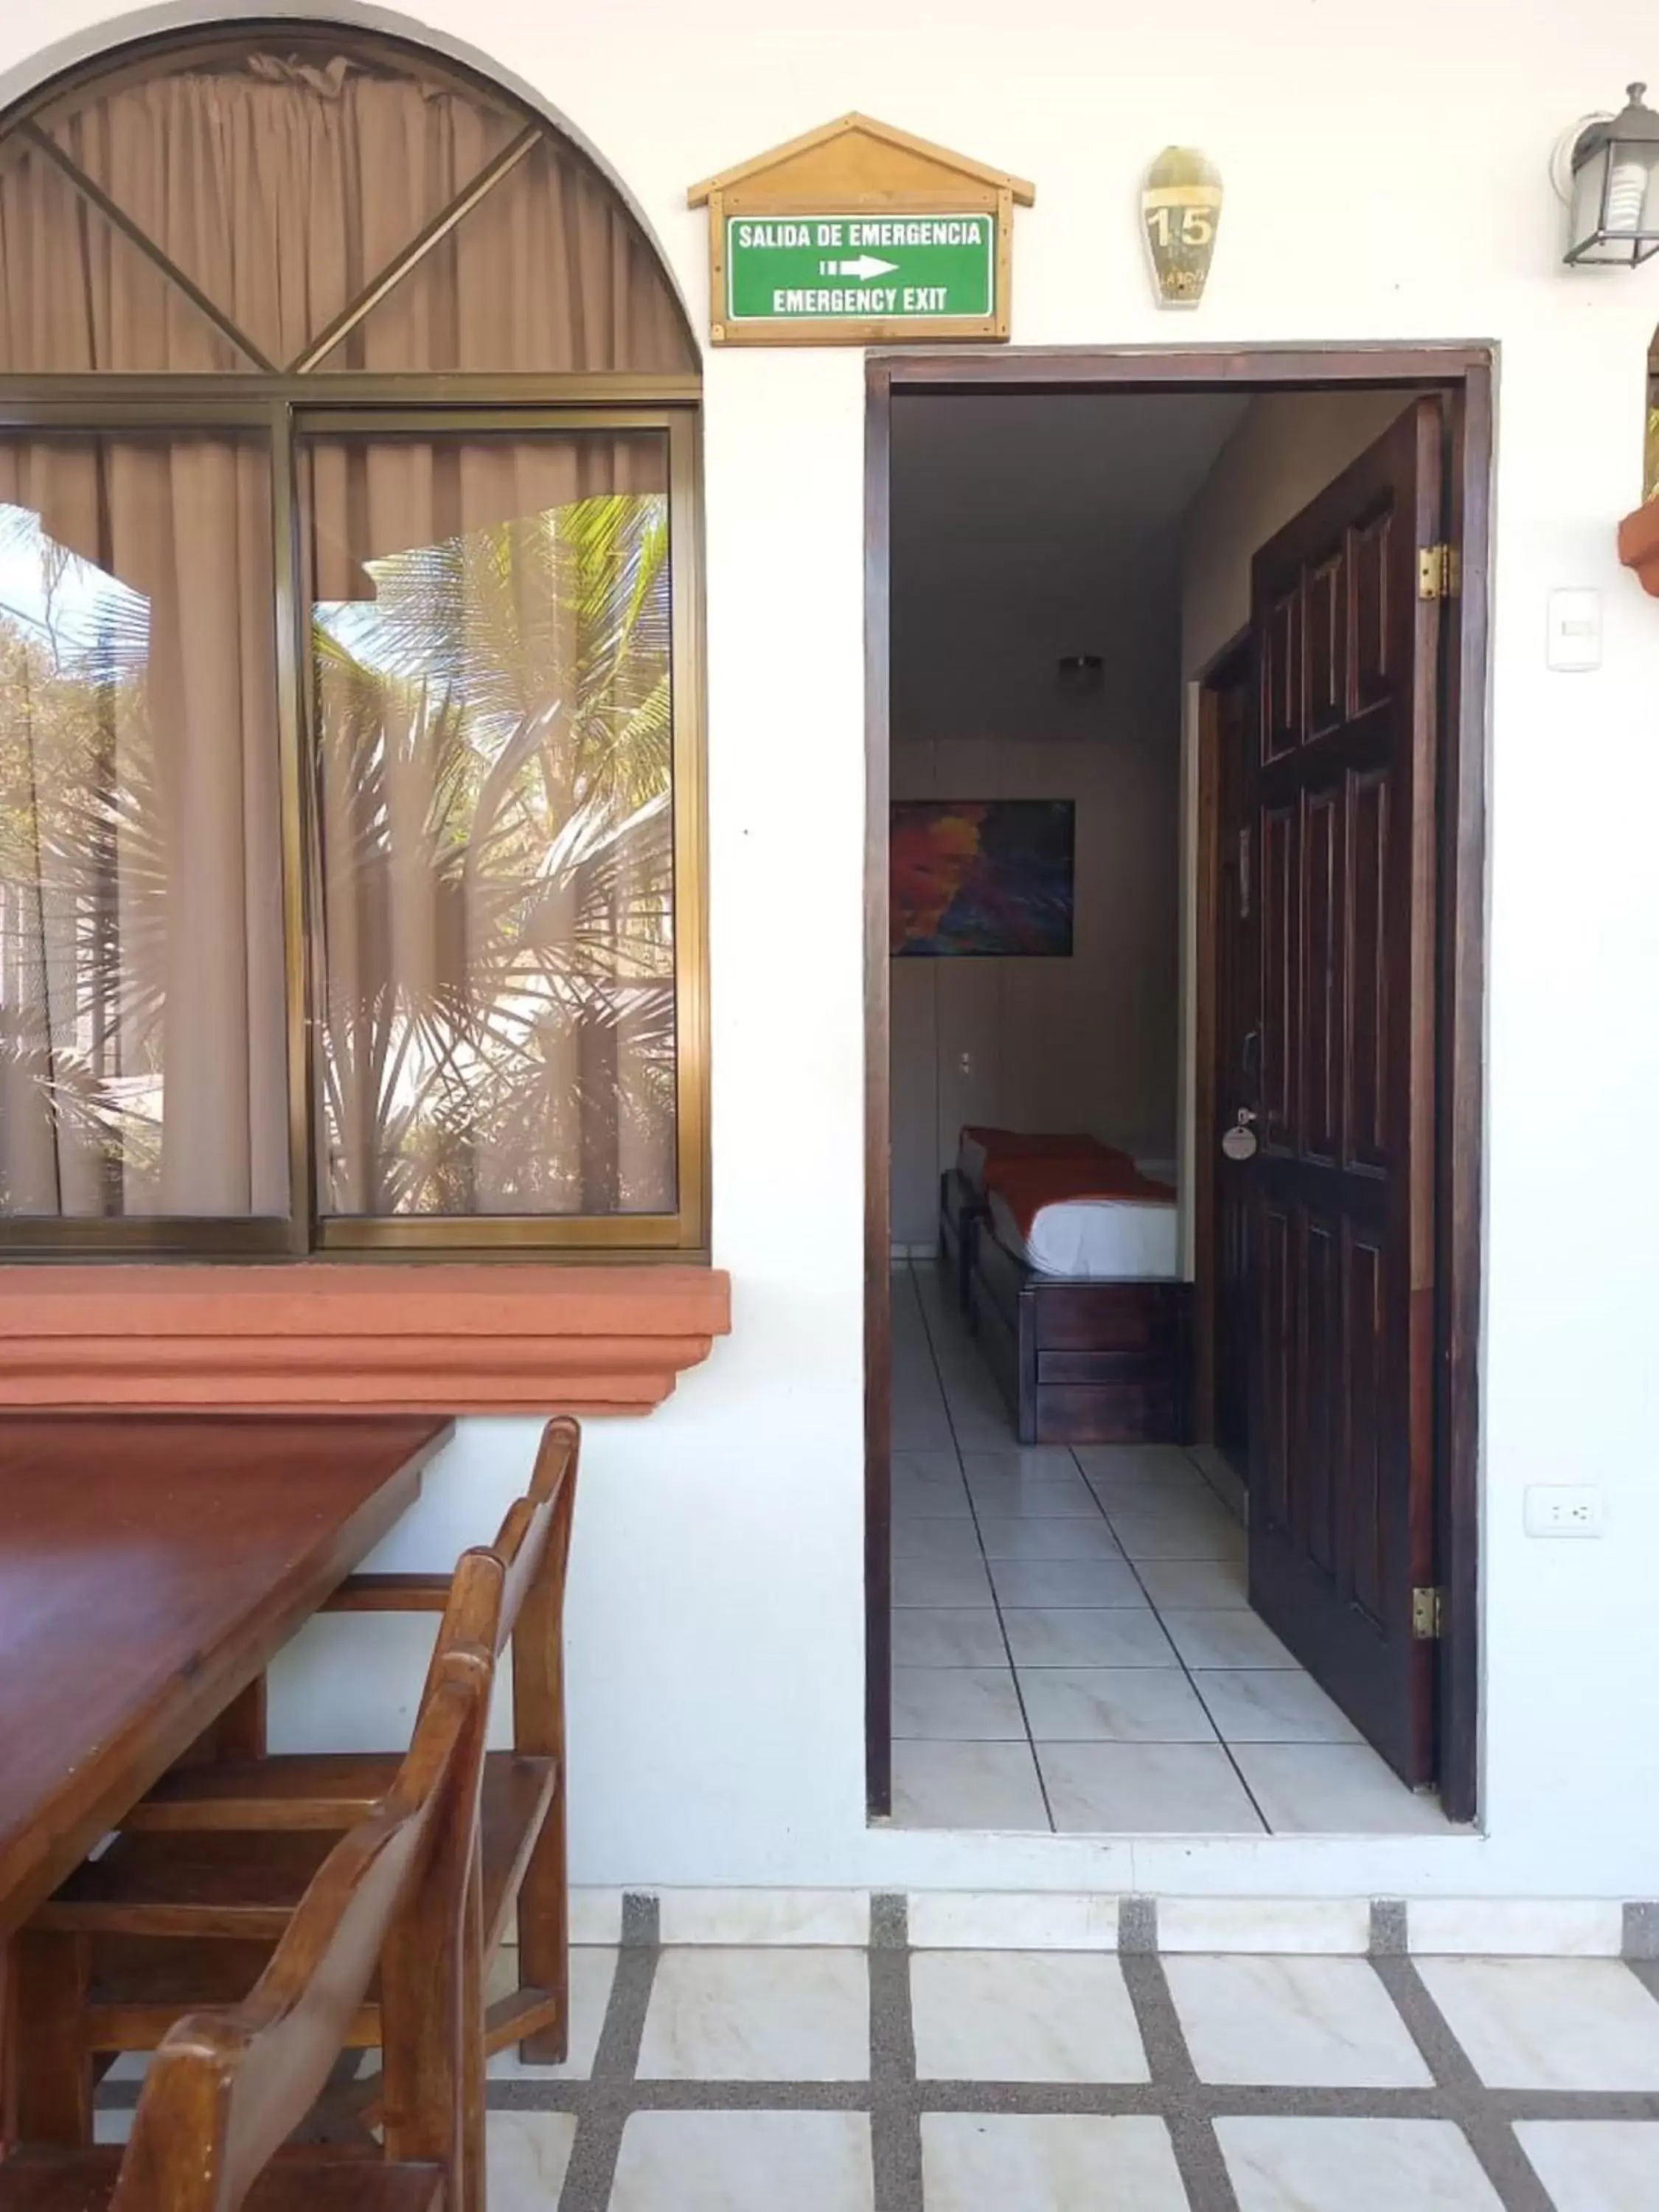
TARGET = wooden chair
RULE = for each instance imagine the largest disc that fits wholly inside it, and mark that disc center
(228, 2088)
(182, 1909)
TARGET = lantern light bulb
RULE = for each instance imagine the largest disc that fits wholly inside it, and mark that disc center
(1627, 193)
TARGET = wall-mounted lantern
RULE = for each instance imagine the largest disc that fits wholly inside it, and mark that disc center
(1181, 208)
(1612, 186)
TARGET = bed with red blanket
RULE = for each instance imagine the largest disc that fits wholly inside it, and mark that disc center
(964, 1203)
(1097, 1217)
(1065, 1254)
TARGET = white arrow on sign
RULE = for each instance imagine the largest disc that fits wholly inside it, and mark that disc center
(866, 267)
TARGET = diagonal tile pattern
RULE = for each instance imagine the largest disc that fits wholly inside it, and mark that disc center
(1121, 1683)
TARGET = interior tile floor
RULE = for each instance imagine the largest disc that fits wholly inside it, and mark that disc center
(893, 2079)
(1073, 1648)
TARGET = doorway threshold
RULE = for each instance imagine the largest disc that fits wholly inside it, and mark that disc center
(1075, 1652)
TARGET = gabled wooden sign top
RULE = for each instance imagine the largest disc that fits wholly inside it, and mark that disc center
(857, 234)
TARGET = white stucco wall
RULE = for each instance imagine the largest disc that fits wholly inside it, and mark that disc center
(1385, 179)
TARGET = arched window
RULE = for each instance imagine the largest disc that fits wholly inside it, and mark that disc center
(350, 787)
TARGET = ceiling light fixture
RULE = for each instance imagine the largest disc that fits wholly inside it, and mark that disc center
(1081, 674)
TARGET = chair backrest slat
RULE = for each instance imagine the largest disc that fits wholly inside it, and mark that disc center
(227, 2089)
(540, 1521)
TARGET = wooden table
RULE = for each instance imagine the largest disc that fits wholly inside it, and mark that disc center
(149, 1570)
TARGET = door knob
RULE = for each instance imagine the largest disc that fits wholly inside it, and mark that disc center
(1240, 1142)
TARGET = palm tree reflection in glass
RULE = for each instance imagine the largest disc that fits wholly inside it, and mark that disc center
(494, 789)
(84, 876)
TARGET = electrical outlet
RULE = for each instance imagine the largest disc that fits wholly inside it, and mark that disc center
(1564, 1508)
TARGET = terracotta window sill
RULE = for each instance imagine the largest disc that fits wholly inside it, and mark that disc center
(1638, 545)
(322, 1338)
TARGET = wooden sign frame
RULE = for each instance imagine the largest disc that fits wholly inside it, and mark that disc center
(856, 165)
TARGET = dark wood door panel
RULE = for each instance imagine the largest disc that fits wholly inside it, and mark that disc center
(1328, 615)
(1279, 841)
(1366, 1425)
(1320, 1395)
(1282, 681)
(1344, 1648)
(1236, 1312)
(1273, 1397)
(1366, 1032)
(1322, 977)
(1372, 562)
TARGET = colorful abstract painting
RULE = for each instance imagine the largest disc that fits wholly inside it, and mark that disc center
(977, 879)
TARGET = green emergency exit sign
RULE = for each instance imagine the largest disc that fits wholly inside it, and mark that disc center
(830, 269)
(859, 234)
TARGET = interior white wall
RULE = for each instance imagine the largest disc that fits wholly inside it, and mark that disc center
(717, 1605)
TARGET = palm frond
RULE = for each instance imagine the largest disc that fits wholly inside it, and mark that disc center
(493, 780)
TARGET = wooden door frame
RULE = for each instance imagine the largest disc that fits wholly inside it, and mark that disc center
(1468, 371)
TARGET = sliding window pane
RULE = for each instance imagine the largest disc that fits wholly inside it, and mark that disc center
(142, 1070)
(492, 763)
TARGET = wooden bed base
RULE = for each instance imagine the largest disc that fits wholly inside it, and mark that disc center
(961, 1210)
(1078, 1362)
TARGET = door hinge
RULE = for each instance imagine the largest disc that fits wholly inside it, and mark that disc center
(1426, 1609)
(1439, 572)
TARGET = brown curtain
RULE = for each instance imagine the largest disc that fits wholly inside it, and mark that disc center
(491, 693)
(142, 1057)
(282, 185)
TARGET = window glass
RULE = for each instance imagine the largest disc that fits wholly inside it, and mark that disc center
(492, 722)
(141, 1009)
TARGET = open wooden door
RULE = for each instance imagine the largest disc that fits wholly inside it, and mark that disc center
(1342, 800)
(1236, 1045)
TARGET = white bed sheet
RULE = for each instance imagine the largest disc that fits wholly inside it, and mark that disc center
(1094, 1239)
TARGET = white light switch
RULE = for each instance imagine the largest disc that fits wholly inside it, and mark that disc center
(1575, 630)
